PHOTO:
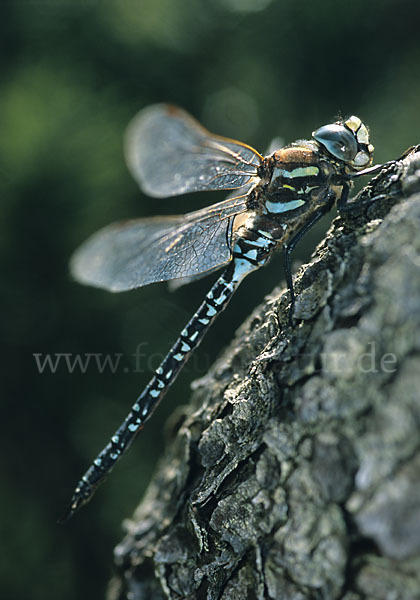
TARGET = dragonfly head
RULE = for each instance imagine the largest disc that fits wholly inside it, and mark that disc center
(347, 141)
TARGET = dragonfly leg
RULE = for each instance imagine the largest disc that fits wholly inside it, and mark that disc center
(290, 246)
(343, 204)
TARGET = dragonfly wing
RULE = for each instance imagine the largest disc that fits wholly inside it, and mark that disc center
(135, 253)
(275, 144)
(170, 153)
(243, 192)
(175, 284)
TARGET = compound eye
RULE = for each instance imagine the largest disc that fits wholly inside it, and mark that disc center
(338, 140)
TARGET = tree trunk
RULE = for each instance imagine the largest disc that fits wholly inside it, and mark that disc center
(296, 472)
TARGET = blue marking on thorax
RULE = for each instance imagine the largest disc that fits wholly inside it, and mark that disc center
(252, 254)
(310, 171)
(281, 207)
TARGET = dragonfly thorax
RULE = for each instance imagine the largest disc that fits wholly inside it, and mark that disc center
(299, 173)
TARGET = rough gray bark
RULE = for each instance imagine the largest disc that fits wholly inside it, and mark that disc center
(296, 471)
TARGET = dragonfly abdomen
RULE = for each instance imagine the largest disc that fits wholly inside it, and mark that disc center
(190, 337)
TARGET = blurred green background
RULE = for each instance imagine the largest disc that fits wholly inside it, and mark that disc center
(73, 73)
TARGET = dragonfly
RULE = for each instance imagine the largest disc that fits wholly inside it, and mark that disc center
(273, 201)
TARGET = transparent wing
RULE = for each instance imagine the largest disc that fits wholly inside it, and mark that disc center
(170, 153)
(134, 253)
(275, 144)
(175, 284)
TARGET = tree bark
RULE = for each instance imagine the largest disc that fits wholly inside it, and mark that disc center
(296, 471)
